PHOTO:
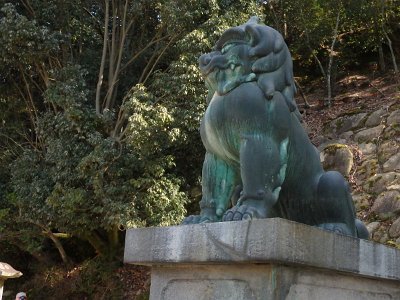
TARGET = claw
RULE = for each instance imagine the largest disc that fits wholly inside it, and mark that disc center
(237, 216)
(246, 216)
(275, 193)
(244, 212)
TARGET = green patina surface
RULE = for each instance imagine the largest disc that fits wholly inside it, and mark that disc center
(260, 162)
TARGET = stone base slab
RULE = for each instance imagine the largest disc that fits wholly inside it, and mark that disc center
(264, 281)
(262, 259)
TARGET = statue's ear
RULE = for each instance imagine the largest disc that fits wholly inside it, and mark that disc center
(254, 35)
(262, 40)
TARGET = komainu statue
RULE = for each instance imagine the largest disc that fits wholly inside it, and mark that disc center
(259, 161)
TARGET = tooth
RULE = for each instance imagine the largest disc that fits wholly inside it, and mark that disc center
(232, 66)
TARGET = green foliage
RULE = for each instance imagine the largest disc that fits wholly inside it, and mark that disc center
(308, 28)
(23, 41)
(84, 180)
(66, 167)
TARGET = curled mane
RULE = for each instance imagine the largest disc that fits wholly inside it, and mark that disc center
(271, 59)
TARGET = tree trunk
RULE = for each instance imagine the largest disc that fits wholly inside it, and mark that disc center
(97, 243)
(59, 247)
(381, 59)
(48, 233)
(328, 101)
(298, 87)
(103, 60)
(389, 42)
(381, 62)
(113, 240)
(396, 70)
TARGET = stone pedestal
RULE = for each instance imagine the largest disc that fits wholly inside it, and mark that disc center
(262, 259)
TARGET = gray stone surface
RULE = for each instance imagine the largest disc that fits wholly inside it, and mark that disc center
(367, 135)
(394, 230)
(361, 201)
(375, 118)
(372, 227)
(346, 135)
(367, 148)
(261, 241)
(378, 168)
(394, 118)
(387, 204)
(337, 157)
(347, 122)
(380, 182)
(387, 149)
(392, 164)
(367, 169)
(265, 281)
(262, 259)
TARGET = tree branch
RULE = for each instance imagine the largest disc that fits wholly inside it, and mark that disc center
(331, 55)
(103, 58)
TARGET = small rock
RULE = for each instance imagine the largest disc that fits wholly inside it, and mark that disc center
(367, 169)
(361, 201)
(367, 135)
(394, 230)
(346, 135)
(394, 118)
(346, 123)
(384, 238)
(337, 157)
(377, 235)
(387, 149)
(379, 182)
(372, 227)
(367, 148)
(391, 132)
(392, 164)
(376, 117)
(387, 204)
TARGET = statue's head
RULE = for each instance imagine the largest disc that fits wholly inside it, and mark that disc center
(250, 52)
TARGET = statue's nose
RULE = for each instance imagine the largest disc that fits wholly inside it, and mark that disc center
(208, 62)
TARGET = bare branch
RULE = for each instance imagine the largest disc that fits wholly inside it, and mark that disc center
(151, 43)
(331, 55)
(159, 57)
(28, 7)
(103, 58)
(113, 77)
(389, 41)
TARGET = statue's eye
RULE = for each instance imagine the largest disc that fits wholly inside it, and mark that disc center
(227, 47)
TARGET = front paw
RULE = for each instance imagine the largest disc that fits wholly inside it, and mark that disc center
(244, 212)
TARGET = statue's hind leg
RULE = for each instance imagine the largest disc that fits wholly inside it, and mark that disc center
(334, 209)
(219, 180)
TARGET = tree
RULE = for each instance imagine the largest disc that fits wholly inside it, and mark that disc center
(75, 175)
(110, 101)
(324, 34)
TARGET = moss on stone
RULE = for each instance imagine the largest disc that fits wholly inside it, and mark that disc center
(331, 148)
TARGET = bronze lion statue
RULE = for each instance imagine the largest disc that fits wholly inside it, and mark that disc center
(259, 161)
